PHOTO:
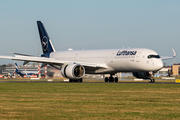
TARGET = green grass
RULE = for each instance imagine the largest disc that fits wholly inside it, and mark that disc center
(56, 101)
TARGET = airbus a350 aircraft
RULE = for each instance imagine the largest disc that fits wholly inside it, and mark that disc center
(74, 64)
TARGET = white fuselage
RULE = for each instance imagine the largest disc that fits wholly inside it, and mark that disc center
(29, 72)
(116, 60)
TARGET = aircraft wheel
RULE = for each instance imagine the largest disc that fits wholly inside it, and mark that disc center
(70, 80)
(80, 80)
(150, 81)
(116, 79)
(111, 79)
(106, 79)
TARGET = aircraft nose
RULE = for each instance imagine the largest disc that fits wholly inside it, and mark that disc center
(159, 64)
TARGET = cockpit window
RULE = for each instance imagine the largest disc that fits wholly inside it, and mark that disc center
(153, 56)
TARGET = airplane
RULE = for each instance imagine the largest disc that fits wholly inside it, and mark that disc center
(74, 64)
(27, 73)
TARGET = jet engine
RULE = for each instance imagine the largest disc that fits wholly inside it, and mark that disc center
(73, 71)
(142, 75)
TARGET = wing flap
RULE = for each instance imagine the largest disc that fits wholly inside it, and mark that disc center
(34, 59)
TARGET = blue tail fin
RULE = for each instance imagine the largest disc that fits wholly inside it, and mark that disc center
(46, 43)
(18, 71)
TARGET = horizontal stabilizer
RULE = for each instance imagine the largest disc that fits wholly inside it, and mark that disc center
(21, 54)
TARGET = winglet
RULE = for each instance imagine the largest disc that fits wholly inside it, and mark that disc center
(174, 52)
(169, 57)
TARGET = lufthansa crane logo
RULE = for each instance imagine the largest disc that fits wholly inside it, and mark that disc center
(45, 43)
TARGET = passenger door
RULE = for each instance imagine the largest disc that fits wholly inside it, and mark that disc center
(138, 57)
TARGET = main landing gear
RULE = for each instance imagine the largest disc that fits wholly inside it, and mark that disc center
(111, 79)
(76, 80)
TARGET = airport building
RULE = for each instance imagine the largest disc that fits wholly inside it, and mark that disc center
(10, 69)
(176, 70)
(165, 71)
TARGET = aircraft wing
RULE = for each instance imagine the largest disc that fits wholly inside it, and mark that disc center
(169, 57)
(53, 61)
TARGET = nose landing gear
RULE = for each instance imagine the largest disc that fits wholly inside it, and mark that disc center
(152, 80)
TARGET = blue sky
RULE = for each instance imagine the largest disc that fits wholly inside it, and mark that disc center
(90, 24)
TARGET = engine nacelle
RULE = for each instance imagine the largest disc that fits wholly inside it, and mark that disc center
(142, 75)
(73, 71)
